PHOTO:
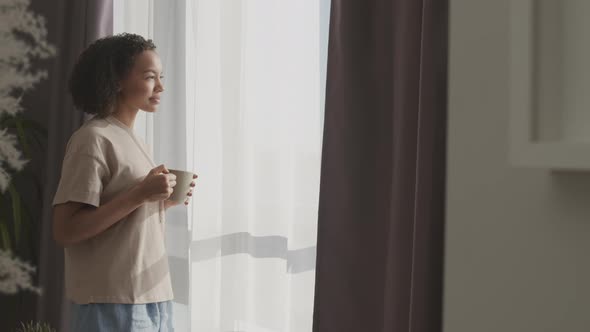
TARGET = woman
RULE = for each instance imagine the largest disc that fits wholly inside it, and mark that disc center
(111, 198)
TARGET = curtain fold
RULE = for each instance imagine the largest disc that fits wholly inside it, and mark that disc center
(381, 212)
(72, 26)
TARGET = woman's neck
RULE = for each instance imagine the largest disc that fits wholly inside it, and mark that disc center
(127, 116)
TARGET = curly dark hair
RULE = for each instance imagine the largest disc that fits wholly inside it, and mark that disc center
(94, 81)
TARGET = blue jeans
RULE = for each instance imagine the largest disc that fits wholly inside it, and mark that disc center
(119, 317)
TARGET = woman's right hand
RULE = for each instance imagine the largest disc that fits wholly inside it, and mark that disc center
(157, 185)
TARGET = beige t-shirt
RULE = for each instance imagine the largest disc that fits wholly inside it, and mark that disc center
(127, 263)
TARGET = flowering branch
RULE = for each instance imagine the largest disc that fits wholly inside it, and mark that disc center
(23, 37)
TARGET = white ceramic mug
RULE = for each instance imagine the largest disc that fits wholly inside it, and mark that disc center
(183, 185)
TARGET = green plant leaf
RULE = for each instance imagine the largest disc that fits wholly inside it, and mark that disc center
(9, 121)
(22, 137)
(5, 236)
(3, 204)
(16, 212)
(35, 126)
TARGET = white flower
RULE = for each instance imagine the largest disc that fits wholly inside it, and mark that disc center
(15, 274)
(8, 155)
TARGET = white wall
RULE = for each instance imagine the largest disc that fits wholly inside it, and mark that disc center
(518, 240)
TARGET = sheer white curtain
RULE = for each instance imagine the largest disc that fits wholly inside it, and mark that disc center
(243, 108)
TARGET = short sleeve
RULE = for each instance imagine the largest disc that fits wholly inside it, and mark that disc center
(84, 174)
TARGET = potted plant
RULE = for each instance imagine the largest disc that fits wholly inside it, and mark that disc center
(23, 37)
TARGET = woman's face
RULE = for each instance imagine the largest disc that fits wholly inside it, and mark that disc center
(142, 87)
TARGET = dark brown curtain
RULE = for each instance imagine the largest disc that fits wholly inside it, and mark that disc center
(382, 192)
(72, 25)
